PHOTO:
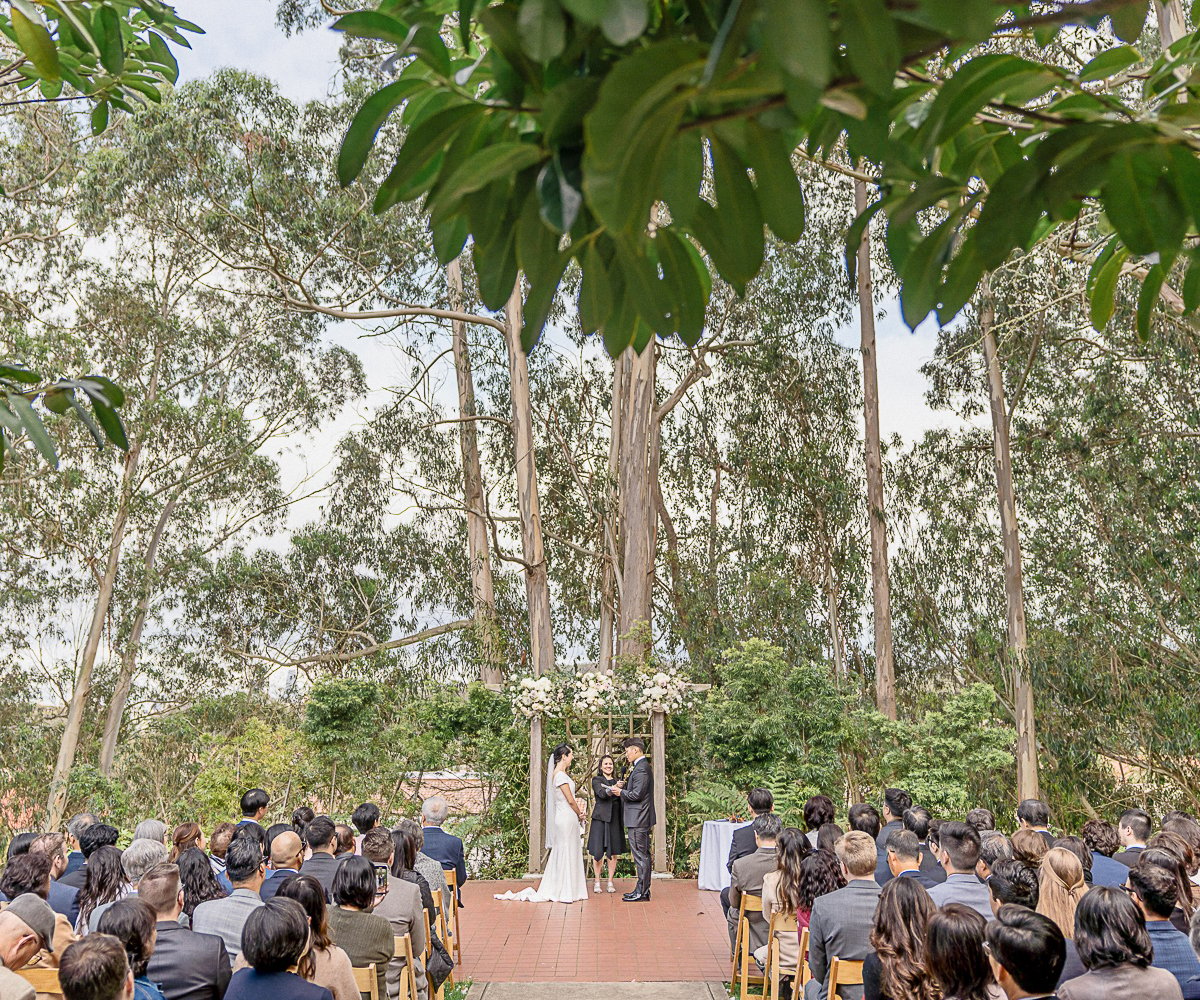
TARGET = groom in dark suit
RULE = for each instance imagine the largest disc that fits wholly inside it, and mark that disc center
(637, 793)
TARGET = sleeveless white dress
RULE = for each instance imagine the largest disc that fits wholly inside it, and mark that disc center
(565, 880)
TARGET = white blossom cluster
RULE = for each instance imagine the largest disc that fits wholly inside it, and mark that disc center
(665, 691)
(594, 693)
(536, 696)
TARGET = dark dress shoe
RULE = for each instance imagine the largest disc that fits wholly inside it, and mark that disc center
(637, 897)
(630, 895)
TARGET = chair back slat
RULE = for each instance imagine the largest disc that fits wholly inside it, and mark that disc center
(366, 979)
(408, 979)
(844, 973)
(42, 980)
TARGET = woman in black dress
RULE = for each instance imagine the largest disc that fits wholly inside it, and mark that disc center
(606, 838)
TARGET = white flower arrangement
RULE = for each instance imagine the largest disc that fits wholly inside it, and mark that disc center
(536, 696)
(664, 691)
(594, 693)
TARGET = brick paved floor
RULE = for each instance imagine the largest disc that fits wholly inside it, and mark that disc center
(679, 936)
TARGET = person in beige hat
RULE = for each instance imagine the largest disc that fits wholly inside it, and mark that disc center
(26, 927)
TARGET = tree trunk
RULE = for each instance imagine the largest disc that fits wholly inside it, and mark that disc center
(638, 521)
(483, 592)
(885, 670)
(1172, 25)
(1014, 591)
(120, 695)
(835, 629)
(609, 583)
(537, 584)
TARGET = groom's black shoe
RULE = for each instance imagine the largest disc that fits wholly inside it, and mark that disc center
(636, 897)
(631, 895)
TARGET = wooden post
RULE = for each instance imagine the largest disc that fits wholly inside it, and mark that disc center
(537, 821)
(658, 761)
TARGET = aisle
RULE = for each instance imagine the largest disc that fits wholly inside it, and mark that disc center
(679, 936)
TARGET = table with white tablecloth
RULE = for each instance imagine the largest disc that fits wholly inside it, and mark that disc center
(715, 841)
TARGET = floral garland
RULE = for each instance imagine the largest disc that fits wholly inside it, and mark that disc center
(594, 693)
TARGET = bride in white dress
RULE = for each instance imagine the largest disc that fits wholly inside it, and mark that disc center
(564, 880)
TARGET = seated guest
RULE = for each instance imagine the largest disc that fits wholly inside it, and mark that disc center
(895, 970)
(830, 834)
(277, 940)
(26, 927)
(365, 817)
(62, 898)
(896, 802)
(401, 908)
(954, 953)
(75, 826)
(1170, 851)
(254, 806)
(1191, 989)
(321, 837)
(218, 844)
(365, 937)
(91, 839)
(301, 817)
(1029, 847)
(982, 819)
(1110, 934)
(198, 881)
(781, 894)
(131, 922)
(226, 917)
(1101, 839)
(445, 848)
(748, 876)
(274, 830)
(287, 857)
(105, 883)
(918, 821)
(821, 873)
(865, 817)
(1155, 892)
(1187, 828)
(185, 835)
(903, 858)
(95, 968)
(842, 921)
(817, 812)
(30, 873)
(759, 801)
(137, 859)
(1027, 952)
(345, 842)
(1034, 814)
(325, 964)
(1060, 888)
(433, 873)
(405, 853)
(151, 829)
(958, 853)
(185, 965)
(1015, 882)
(993, 847)
(1133, 829)
(1077, 847)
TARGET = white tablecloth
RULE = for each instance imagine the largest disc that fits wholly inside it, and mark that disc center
(715, 841)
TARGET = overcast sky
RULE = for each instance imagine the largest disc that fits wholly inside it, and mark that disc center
(242, 33)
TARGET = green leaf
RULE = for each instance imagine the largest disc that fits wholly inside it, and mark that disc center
(1110, 62)
(58, 400)
(691, 284)
(779, 193)
(373, 24)
(481, 168)
(796, 36)
(543, 29)
(365, 126)
(1128, 21)
(1102, 293)
(1140, 205)
(465, 9)
(162, 54)
(1185, 176)
(624, 20)
(595, 291)
(99, 117)
(36, 43)
(558, 188)
(922, 272)
(19, 373)
(108, 419)
(683, 173)
(1191, 284)
(872, 45)
(112, 46)
(33, 427)
(1147, 298)
(102, 389)
(449, 237)
(418, 161)
(496, 268)
(739, 220)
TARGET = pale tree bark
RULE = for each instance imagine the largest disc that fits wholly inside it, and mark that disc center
(1172, 25)
(610, 582)
(885, 669)
(483, 593)
(1014, 591)
(537, 583)
(835, 628)
(638, 521)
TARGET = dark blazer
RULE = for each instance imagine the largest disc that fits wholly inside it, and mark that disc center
(76, 878)
(930, 866)
(921, 877)
(74, 863)
(250, 985)
(605, 802)
(64, 899)
(1129, 856)
(638, 797)
(886, 831)
(187, 965)
(323, 867)
(447, 850)
(1108, 871)
(1172, 951)
(273, 881)
(743, 845)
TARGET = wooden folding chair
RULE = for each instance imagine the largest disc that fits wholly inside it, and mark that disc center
(408, 979)
(742, 977)
(805, 971)
(42, 980)
(775, 970)
(844, 973)
(452, 884)
(367, 981)
(440, 904)
(429, 945)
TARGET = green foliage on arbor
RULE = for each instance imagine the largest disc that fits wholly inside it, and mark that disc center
(547, 131)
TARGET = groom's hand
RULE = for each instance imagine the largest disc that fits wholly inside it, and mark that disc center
(616, 790)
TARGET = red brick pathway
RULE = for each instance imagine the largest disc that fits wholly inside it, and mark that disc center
(679, 936)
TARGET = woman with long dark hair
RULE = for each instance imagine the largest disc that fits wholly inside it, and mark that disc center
(132, 923)
(325, 964)
(896, 969)
(105, 883)
(781, 895)
(186, 835)
(1170, 852)
(606, 837)
(821, 873)
(197, 880)
(402, 867)
(301, 817)
(366, 938)
(954, 953)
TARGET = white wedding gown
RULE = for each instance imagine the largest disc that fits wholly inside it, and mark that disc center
(564, 880)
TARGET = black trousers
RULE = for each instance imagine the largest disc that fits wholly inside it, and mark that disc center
(639, 847)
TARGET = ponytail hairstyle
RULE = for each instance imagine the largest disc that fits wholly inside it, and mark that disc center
(560, 752)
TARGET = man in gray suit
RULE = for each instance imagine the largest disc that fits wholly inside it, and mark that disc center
(840, 925)
(747, 877)
(225, 918)
(636, 792)
(958, 852)
(186, 965)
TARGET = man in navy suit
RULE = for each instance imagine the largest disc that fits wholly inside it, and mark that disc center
(903, 852)
(287, 855)
(1133, 828)
(761, 802)
(445, 848)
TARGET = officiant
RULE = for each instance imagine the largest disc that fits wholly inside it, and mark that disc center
(606, 837)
